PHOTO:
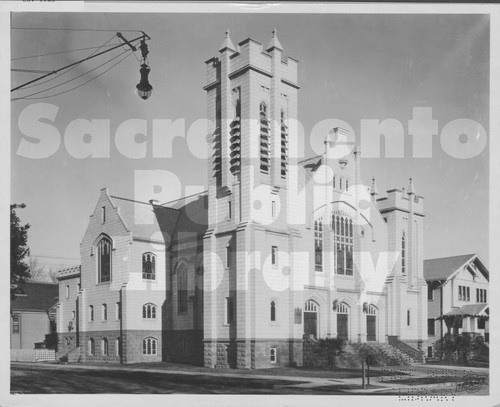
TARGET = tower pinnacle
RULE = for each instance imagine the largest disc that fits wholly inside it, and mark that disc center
(227, 44)
(275, 42)
(411, 188)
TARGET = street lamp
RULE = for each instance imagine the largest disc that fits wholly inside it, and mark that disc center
(144, 88)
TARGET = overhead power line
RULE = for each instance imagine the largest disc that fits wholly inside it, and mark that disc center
(60, 52)
(72, 29)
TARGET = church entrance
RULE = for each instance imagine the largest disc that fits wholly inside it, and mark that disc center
(343, 322)
(371, 324)
(311, 318)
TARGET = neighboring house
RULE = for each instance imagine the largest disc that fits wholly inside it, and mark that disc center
(458, 292)
(30, 317)
(274, 251)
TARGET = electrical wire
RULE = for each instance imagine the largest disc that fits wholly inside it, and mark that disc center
(76, 87)
(79, 76)
(61, 52)
(68, 69)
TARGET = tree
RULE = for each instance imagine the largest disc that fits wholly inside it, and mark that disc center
(39, 273)
(19, 270)
(328, 348)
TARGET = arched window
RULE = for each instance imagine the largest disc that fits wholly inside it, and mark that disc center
(104, 346)
(264, 139)
(273, 311)
(149, 311)
(182, 290)
(311, 306)
(91, 313)
(343, 240)
(148, 266)
(149, 346)
(403, 253)
(104, 312)
(371, 310)
(91, 347)
(284, 145)
(104, 260)
(318, 245)
(343, 308)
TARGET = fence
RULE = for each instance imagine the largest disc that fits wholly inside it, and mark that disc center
(32, 355)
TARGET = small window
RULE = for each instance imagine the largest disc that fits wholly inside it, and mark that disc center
(149, 311)
(408, 320)
(273, 355)
(228, 256)
(273, 209)
(149, 266)
(229, 310)
(430, 293)
(104, 346)
(149, 346)
(347, 185)
(273, 311)
(430, 327)
(118, 311)
(334, 181)
(91, 347)
(103, 214)
(73, 314)
(274, 255)
(91, 313)
(104, 312)
(481, 323)
(340, 183)
(229, 210)
(67, 291)
(15, 324)
(429, 352)
(117, 347)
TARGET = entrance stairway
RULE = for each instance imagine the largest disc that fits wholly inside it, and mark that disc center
(381, 354)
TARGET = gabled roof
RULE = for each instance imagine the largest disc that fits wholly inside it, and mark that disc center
(445, 268)
(37, 296)
(470, 310)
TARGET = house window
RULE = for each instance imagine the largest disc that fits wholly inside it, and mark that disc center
(403, 253)
(430, 327)
(463, 293)
(91, 347)
(118, 311)
(104, 346)
(149, 346)
(318, 245)
(408, 320)
(480, 295)
(104, 312)
(67, 291)
(91, 313)
(273, 311)
(264, 139)
(148, 266)
(104, 260)
(481, 323)
(273, 355)
(343, 243)
(15, 324)
(430, 293)
(182, 290)
(274, 255)
(228, 256)
(229, 310)
(103, 214)
(149, 311)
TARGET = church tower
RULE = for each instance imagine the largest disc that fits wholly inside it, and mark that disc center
(252, 105)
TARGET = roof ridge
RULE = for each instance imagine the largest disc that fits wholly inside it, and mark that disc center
(128, 199)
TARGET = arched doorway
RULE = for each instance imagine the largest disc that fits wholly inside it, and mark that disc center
(343, 321)
(311, 309)
(371, 323)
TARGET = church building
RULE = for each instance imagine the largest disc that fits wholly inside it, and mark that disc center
(278, 250)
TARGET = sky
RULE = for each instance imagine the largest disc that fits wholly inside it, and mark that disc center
(352, 67)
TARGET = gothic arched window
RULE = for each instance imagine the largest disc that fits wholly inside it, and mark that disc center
(273, 311)
(318, 245)
(343, 240)
(149, 346)
(149, 311)
(264, 139)
(148, 266)
(182, 291)
(104, 260)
